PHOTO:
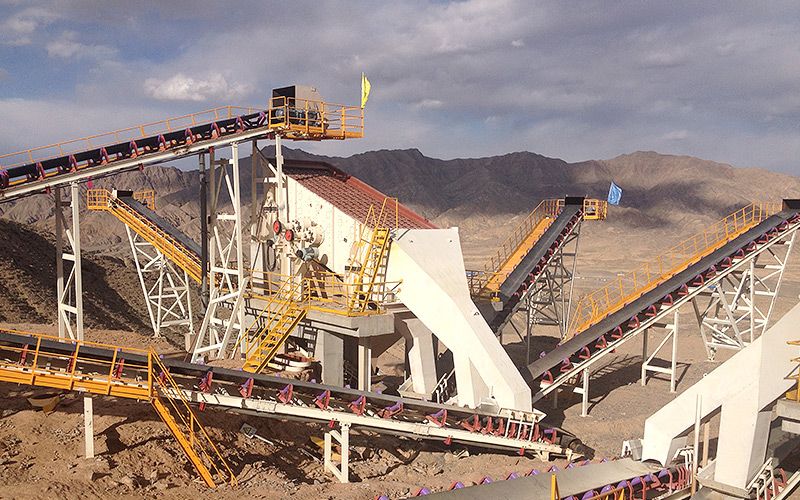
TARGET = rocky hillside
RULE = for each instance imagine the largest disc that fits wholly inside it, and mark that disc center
(665, 198)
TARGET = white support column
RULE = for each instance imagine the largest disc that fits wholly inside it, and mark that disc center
(88, 426)
(223, 327)
(69, 288)
(341, 471)
(585, 394)
(364, 364)
(671, 330)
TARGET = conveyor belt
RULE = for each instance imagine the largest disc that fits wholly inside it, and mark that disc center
(540, 250)
(162, 224)
(289, 399)
(624, 475)
(535, 261)
(620, 320)
(35, 170)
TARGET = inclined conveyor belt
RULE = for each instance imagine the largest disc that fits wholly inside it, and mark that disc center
(539, 251)
(588, 338)
(131, 149)
(162, 223)
(262, 393)
(535, 261)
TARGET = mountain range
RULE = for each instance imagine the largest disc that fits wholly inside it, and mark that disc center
(665, 198)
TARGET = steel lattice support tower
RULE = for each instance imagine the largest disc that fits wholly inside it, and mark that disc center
(165, 287)
(222, 326)
(737, 310)
(547, 301)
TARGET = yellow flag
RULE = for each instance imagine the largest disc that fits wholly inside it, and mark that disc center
(365, 88)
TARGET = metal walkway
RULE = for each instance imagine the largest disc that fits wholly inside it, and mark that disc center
(138, 374)
(170, 241)
(704, 274)
(36, 170)
(123, 372)
(533, 265)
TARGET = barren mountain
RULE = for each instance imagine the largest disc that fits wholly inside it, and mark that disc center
(665, 199)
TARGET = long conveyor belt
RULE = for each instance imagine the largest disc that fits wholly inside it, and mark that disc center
(163, 224)
(530, 269)
(266, 395)
(570, 358)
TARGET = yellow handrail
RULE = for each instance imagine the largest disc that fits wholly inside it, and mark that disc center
(101, 199)
(610, 298)
(129, 374)
(150, 129)
(322, 291)
(199, 439)
(794, 394)
(496, 268)
(277, 304)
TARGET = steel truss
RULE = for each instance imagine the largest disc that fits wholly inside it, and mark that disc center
(165, 287)
(547, 301)
(736, 310)
(745, 293)
(70, 290)
(223, 326)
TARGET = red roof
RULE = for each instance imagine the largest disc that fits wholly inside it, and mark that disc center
(347, 193)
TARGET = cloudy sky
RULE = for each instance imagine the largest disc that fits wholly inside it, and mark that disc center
(568, 79)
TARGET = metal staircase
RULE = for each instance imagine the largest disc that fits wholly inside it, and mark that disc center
(175, 411)
(372, 254)
(128, 373)
(280, 316)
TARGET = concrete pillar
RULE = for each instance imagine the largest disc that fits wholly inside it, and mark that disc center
(88, 426)
(364, 364)
(420, 352)
(471, 387)
(330, 352)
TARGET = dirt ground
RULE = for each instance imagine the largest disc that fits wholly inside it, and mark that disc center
(41, 455)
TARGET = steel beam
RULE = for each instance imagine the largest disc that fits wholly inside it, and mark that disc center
(69, 288)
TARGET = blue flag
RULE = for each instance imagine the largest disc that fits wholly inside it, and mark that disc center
(614, 194)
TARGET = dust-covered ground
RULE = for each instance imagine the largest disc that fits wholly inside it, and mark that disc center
(41, 454)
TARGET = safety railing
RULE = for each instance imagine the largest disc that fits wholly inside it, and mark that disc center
(492, 270)
(146, 197)
(316, 119)
(126, 375)
(546, 209)
(323, 291)
(102, 199)
(144, 130)
(594, 209)
(186, 428)
(277, 303)
(75, 365)
(600, 303)
(371, 253)
(794, 394)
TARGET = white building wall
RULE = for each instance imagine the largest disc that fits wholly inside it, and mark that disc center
(341, 230)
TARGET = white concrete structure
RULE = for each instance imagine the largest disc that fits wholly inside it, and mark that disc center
(433, 303)
(744, 388)
(435, 289)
